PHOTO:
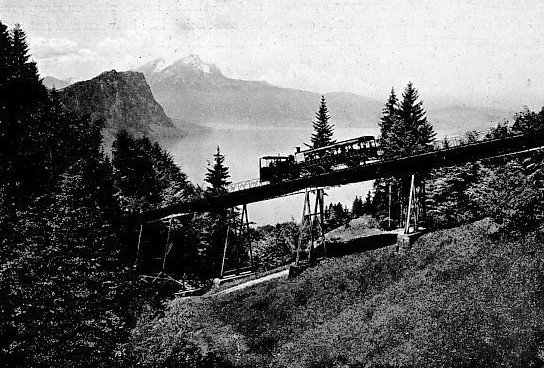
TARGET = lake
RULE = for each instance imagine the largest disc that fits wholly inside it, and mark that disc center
(242, 148)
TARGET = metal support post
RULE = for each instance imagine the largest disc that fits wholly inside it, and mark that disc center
(245, 225)
(238, 225)
(389, 212)
(411, 202)
(312, 222)
(168, 245)
(225, 251)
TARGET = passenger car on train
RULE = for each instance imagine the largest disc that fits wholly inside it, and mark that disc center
(313, 161)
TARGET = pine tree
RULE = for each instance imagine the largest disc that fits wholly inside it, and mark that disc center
(323, 130)
(418, 132)
(388, 120)
(27, 88)
(5, 61)
(367, 205)
(21, 95)
(404, 131)
(217, 175)
(357, 207)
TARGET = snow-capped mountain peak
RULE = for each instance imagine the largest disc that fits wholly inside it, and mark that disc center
(194, 62)
(160, 64)
(190, 65)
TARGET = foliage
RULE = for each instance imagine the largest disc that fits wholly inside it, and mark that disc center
(276, 245)
(505, 188)
(529, 122)
(448, 200)
(323, 130)
(508, 195)
(145, 174)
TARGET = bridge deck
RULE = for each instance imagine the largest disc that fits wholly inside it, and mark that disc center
(406, 165)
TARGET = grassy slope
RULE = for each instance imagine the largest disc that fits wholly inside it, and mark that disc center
(462, 297)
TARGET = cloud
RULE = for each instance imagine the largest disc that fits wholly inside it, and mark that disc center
(57, 48)
(48, 48)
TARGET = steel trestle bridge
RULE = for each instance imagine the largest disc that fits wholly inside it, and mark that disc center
(446, 153)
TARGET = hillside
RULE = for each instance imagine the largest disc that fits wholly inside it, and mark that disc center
(462, 297)
(124, 101)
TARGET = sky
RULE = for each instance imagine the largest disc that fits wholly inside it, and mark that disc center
(489, 51)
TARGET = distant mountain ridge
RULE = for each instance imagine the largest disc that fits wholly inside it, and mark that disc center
(124, 100)
(197, 92)
(52, 82)
(194, 91)
(461, 118)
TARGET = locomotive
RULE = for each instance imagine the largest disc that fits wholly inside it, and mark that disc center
(313, 161)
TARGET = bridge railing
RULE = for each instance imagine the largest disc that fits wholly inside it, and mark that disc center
(246, 184)
(469, 138)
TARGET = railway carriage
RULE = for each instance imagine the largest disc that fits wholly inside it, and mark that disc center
(348, 153)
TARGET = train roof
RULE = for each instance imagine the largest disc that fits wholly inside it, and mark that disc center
(364, 138)
(273, 157)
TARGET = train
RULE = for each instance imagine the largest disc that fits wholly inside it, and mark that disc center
(349, 153)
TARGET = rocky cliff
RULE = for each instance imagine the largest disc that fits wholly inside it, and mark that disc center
(124, 101)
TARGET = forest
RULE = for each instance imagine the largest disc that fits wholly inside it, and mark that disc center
(71, 295)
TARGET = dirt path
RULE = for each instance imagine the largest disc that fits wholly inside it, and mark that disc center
(276, 275)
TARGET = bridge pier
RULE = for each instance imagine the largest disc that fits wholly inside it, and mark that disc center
(416, 209)
(238, 227)
(312, 224)
(159, 257)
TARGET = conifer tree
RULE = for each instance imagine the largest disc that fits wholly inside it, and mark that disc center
(419, 133)
(404, 131)
(357, 207)
(323, 130)
(388, 120)
(5, 60)
(217, 175)
(367, 205)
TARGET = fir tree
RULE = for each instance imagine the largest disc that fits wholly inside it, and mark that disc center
(357, 207)
(418, 132)
(388, 120)
(323, 130)
(5, 60)
(217, 221)
(217, 175)
(367, 205)
(404, 131)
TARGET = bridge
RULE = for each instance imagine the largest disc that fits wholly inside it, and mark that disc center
(448, 152)
(454, 152)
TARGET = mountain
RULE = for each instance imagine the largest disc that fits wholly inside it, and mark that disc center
(457, 119)
(124, 101)
(198, 92)
(52, 82)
